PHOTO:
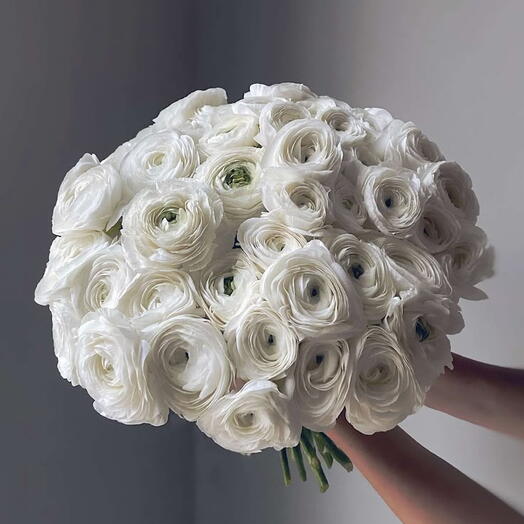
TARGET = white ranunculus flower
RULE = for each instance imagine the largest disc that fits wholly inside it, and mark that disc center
(376, 117)
(227, 285)
(172, 226)
(183, 114)
(287, 90)
(301, 202)
(393, 199)
(368, 268)
(468, 261)
(101, 281)
(383, 388)
(320, 105)
(155, 293)
(110, 365)
(188, 364)
(422, 321)
(363, 128)
(452, 185)
(158, 158)
(66, 256)
(404, 144)
(413, 266)
(308, 145)
(254, 418)
(235, 176)
(260, 342)
(321, 382)
(348, 207)
(313, 293)
(438, 227)
(88, 197)
(275, 115)
(65, 327)
(266, 238)
(116, 157)
(349, 124)
(230, 131)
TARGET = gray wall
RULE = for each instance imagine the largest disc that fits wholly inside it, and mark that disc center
(76, 76)
(84, 75)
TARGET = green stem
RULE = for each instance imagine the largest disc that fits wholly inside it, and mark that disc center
(299, 460)
(321, 446)
(337, 453)
(284, 462)
(309, 448)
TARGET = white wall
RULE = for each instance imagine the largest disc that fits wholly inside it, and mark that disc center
(456, 69)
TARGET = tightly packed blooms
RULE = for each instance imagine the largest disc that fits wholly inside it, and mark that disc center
(263, 266)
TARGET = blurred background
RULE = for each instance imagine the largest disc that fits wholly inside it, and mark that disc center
(81, 75)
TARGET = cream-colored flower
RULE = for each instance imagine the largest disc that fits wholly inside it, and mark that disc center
(172, 226)
(383, 389)
(301, 202)
(156, 293)
(393, 199)
(348, 206)
(422, 321)
(110, 365)
(452, 185)
(158, 158)
(413, 266)
(438, 227)
(183, 114)
(404, 144)
(267, 238)
(275, 115)
(101, 281)
(188, 364)
(468, 261)
(88, 197)
(321, 382)
(367, 267)
(227, 285)
(65, 328)
(287, 90)
(231, 130)
(313, 293)
(254, 418)
(67, 255)
(260, 342)
(235, 174)
(308, 145)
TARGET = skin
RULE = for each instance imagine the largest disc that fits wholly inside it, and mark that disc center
(420, 487)
(486, 395)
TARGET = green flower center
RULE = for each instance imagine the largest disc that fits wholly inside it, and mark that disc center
(236, 176)
(168, 216)
(229, 285)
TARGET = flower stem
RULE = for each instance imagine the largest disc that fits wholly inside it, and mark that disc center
(336, 453)
(284, 462)
(321, 446)
(299, 460)
(306, 441)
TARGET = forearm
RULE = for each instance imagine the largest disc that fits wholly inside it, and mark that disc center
(490, 396)
(417, 485)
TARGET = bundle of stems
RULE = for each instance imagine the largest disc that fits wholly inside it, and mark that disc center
(310, 443)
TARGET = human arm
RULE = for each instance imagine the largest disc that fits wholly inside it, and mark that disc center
(418, 486)
(487, 395)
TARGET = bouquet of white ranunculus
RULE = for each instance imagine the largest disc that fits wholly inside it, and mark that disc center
(261, 267)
